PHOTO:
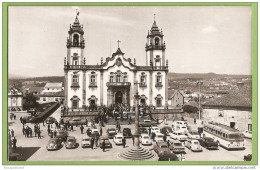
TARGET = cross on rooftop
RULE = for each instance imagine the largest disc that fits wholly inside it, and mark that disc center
(118, 42)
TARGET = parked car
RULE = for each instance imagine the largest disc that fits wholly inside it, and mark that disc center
(77, 121)
(145, 139)
(178, 135)
(168, 157)
(180, 126)
(50, 120)
(208, 143)
(107, 142)
(118, 139)
(95, 132)
(247, 134)
(248, 157)
(143, 130)
(166, 130)
(193, 134)
(155, 129)
(145, 123)
(71, 142)
(54, 144)
(85, 142)
(161, 147)
(111, 132)
(193, 145)
(158, 137)
(63, 134)
(176, 146)
(127, 133)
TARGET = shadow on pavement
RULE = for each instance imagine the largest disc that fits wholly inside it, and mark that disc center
(25, 152)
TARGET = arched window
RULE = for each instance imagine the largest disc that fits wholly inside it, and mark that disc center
(75, 61)
(75, 39)
(157, 41)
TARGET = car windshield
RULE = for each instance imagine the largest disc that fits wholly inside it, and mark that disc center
(70, 140)
(146, 137)
(119, 137)
(112, 130)
(234, 136)
(52, 142)
(159, 136)
(210, 140)
(196, 143)
(180, 133)
(164, 146)
(194, 133)
(86, 139)
(178, 144)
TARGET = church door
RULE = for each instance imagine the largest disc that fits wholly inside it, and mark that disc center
(118, 97)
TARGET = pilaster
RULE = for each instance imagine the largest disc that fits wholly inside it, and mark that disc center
(101, 87)
(150, 88)
(84, 88)
(166, 88)
(134, 88)
(66, 89)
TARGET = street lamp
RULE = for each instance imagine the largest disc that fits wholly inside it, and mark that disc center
(199, 83)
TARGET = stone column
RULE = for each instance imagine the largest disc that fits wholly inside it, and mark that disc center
(166, 88)
(84, 88)
(101, 87)
(151, 88)
(134, 88)
(66, 89)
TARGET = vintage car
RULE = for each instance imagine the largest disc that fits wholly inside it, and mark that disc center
(89, 132)
(118, 139)
(71, 142)
(145, 123)
(193, 145)
(85, 142)
(50, 120)
(78, 121)
(143, 130)
(168, 157)
(158, 137)
(166, 130)
(161, 147)
(127, 133)
(248, 157)
(111, 132)
(247, 134)
(145, 139)
(54, 144)
(63, 134)
(107, 142)
(208, 143)
(28, 119)
(193, 134)
(95, 132)
(178, 135)
(155, 129)
(176, 146)
(180, 126)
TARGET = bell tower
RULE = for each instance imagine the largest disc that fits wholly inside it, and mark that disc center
(75, 44)
(155, 47)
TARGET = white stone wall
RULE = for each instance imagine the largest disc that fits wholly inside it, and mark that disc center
(49, 99)
(92, 90)
(158, 90)
(144, 90)
(75, 50)
(75, 91)
(16, 101)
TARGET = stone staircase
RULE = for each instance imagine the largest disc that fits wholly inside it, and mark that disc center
(136, 154)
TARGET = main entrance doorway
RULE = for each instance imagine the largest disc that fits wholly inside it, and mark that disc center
(118, 97)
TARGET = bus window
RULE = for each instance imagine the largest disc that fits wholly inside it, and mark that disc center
(224, 134)
(234, 136)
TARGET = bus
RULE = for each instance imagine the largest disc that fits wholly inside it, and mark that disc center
(227, 137)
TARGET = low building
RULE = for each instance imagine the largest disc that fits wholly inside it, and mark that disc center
(51, 97)
(233, 109)
(52, 87)
(15, 100)
(177, 99)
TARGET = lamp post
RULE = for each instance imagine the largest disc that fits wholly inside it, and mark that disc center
(136, 134)
(199, 83)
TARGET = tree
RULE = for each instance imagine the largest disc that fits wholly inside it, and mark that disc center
(191, 107)
(30, 101)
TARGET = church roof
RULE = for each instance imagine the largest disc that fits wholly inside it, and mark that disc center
(54, 85)
(118, 51)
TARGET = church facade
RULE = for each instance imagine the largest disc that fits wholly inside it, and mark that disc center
(117, 79)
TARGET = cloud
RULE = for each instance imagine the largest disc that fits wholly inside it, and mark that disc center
(210, 29)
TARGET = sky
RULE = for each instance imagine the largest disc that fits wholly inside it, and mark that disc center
(199, 39)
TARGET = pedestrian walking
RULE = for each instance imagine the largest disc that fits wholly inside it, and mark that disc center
(12, 133)
(103, 145)
(71, 127)
(164, 137)
(30, 132)
(123, 141)
(21, 119)
(81, 129)
(92, 142)
(100, 131)
(27, 132)
(149, 131)
(55, 133)
(11, 116)
(14, 117)
(39, 134)
(133, 138)
(48, 126)
(195, 121)
(14, 143)
(119, 128)
(23, 130)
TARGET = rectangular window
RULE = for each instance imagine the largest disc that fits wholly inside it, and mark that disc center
(75, 104)
(125, 79)
(93, 79)
(159, 102)
(142, 79)
(158, 80)
(56, 99)
(118, 78)
(111, 80)
(75, 79)
(44, 99)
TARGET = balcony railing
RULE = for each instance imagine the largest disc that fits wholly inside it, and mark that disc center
(158, 84)
(157, 47)
(75, 85)
(71, 44)
(115, 84)
(142, 85)
(93, 85)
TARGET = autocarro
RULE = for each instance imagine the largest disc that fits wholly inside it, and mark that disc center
(107, 142)
(166, 130)
(111, 132)
(176, 146)
(71, 142)
(63, 134)
(193, 145)
(247, 134)
(118, 139)
(167, 157)
(193, 134)
(85, 142)
(178, 135)
(161, 147)
(145, 139)
(54, 144)
(158, 137)
(208, 143)
(127, 133)
(155, 129)
(50, 120)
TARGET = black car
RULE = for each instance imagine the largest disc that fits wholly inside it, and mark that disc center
(127, 133)
(167, 157)
(208, 143)
(166, 130)
(111, 132)
(143, 130)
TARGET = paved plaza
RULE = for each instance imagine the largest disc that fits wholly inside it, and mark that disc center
(34, 149)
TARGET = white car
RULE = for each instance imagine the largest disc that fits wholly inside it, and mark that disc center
(118, 139)
(95, 132)
(155, 129)
(177, 125)
(193, 145)
(145, 139)
(178, 135)
(158, 137)
(193, 134)
(85, 142)
(247, 134)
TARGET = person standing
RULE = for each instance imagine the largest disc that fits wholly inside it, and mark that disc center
(39, 134)
(23, 130)
(123, 141)
(149, 131)
(14, 143)
(30, 132)
(71, 127)
(14, 117)
(92, 142)
(103, 145)
(100, 131)
(119, 128)
(195, 121)
(133, 138)
(96, 141)
(12, 133)
(81, 129)
(55, 133)
(21, 119)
